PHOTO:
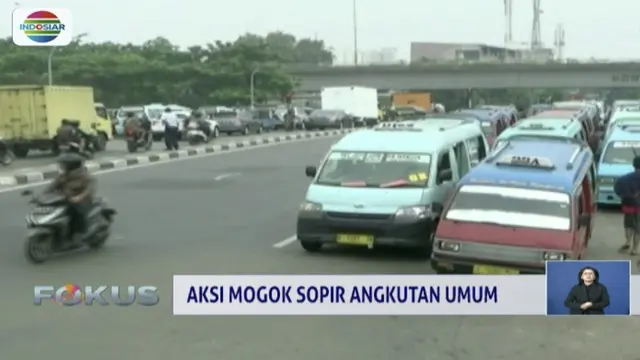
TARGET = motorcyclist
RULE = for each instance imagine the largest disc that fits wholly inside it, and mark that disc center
(290, 118)
(133, 124)
(67, 134)
(201, 121)
(86, 140)
(145, 124)
(79, 187)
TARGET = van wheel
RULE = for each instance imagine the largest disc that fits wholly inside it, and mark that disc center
(21, 151)
(311, 246)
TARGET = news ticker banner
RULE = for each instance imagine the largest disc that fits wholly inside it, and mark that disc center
(384, 295)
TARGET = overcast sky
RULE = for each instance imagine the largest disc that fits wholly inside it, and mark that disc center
(598, 29)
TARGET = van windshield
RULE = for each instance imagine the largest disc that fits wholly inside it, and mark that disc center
(511, 207)
(375, 169)
(154, 114)
(621, 152)
(102, 112)
(122, 113)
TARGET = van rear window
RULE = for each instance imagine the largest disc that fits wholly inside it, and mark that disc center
(375, 169)
(487, 129)
(510, 206)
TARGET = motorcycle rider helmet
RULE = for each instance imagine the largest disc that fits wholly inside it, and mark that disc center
(197, 114)
(130, 114)
(70, 161)
(167, 109)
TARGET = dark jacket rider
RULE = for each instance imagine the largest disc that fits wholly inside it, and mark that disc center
(132, 124)
(199, 118)
(78, 186)
(67, 133)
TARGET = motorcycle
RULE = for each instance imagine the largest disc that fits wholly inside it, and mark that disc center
(6, 155)
(195, 135)
(86, 151)
(51, 229)
(135, 141)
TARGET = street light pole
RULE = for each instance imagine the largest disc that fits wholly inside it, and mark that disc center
(50, 59)
(252, 86)
(49, 65)
(355, 33)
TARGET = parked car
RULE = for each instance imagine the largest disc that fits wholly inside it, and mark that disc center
(267, 118)
(323, 119)
(237, 121)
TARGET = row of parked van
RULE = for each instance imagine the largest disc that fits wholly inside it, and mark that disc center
(478, 190)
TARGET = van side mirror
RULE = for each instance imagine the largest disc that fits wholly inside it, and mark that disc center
(445, 175)
(311, 171)
(437, 208)
(584, 220)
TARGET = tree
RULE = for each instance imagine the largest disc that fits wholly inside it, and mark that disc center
(159, 71)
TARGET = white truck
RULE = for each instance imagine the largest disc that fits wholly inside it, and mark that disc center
(360, 103)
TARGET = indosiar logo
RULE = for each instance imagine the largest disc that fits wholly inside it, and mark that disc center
(42, 27)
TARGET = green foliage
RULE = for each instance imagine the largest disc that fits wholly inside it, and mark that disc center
(158, 71)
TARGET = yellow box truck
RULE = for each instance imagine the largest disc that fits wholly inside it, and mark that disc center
(422, 100)
(31, 114)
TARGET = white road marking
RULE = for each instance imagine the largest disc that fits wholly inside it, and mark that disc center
(286, 242)
(225, 176)
(200, 156)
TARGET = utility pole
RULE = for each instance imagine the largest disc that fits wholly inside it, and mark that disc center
(77, 38)
(355, 33)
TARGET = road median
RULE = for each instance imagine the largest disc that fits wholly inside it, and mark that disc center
(34, 175)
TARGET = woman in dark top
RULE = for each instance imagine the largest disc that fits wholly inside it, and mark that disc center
(588, 297)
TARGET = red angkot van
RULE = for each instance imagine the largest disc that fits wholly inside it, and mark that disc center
(528, 202)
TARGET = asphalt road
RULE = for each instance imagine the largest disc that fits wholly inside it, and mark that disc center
(224, 218)
(116, 148)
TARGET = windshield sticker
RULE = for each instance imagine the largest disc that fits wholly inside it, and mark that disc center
(418, 177)
(408, 158)
(626, 144)
(347, 156)
(374, 158)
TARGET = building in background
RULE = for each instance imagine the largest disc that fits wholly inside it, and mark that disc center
(465, 53)
(383, 56)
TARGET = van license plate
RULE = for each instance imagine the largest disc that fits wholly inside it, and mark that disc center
(493, 270)
(350, 239)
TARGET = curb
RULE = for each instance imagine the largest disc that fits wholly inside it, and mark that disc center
(133, 160)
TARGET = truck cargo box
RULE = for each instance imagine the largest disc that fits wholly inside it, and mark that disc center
(34, 112)
(422, 100)
(357, 101)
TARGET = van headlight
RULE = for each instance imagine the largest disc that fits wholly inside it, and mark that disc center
(310, 209)
(554, 256)
(412, 213)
